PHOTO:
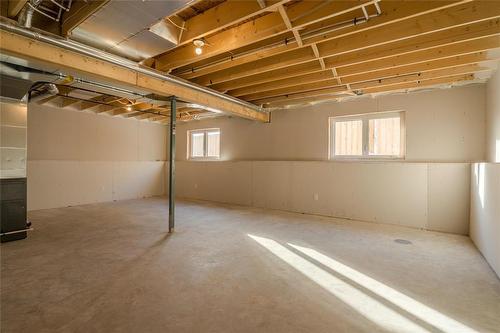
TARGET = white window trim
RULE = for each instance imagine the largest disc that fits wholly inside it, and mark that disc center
(365, 117)
(205, 142)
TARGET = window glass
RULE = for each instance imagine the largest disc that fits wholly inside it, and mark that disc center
(385, 136)
(197, 144)
(348, 138)
(204, 144)
(371, 135)
(213, 143)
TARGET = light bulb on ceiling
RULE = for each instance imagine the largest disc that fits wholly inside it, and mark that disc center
(129, 108)
(198, 43)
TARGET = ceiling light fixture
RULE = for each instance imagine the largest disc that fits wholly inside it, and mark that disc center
(198, 43)
(129, 107)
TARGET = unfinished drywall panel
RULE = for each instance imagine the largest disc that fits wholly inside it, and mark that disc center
(59, 183)
(152, 140)
(59, 134)
(377, 192)
(187, 179)
(485, 211)
(137, 179)
(229, 182)
(449, 197)
(381, 192)
(493, 118)
(272, 184)
(80, 157)
(119, 138)
(13, 113)
(442, 126)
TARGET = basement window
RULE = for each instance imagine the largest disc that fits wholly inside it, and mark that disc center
(368, 136)
(204, 144)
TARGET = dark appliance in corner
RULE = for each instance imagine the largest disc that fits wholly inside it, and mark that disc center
(13, 219)
(13, 153)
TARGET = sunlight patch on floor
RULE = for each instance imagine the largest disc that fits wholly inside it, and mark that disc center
(417, 309)
(367, 306)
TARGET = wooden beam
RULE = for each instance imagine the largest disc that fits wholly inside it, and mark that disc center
(363, 80)
(419, 26)
(315, 98)
(69, 101)
(15, 7)
(463, 39)
(262, 3)
(270, 76)
(306, 100)
(420, 84)
(283, 83)
(453, 55)
(288, 24)
(452, 62)
(443, 19)
(414, 77)
(267, 26)
(79, 12)
(79, 65)
(48, 99)
(255, 51)
(226, 14)
(334, 90)
(393, 12)
(474, 46)
(218, 18)
(370, 86)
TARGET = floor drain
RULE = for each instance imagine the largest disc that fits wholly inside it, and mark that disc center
(403, 241)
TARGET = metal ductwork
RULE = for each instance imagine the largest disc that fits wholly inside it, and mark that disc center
(14, 87)
(119, 61)
(26, 15)
(42, 90)
(17, 81)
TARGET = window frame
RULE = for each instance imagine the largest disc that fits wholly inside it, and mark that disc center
(365, 118)
(205, 144)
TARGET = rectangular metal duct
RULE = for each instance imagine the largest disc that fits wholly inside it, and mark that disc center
(122, 28)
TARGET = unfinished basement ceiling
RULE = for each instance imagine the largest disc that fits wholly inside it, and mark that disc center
(122, 28)
(83, 94)
(289, 53)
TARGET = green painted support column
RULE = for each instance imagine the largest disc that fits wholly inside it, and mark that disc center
(171, 167)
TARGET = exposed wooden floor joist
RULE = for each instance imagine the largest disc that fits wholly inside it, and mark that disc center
(301, 48)
(76, 64)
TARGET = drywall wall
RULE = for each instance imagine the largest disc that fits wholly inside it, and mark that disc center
(441, 126)
(420, 195)
(485, 183)
(485, 211)
(493, 118)
(80, 157)
(283, 165)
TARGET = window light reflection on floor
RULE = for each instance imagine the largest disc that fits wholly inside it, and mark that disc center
(367, 306)
(372, 309)
(408, 304)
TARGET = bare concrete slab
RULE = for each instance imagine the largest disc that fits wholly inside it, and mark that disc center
(113, 268)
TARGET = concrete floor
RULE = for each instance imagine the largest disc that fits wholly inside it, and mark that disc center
(112, 268)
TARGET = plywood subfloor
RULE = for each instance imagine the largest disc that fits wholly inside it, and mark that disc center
(112, 268)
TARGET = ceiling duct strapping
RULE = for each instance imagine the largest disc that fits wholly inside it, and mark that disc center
(27, 12)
